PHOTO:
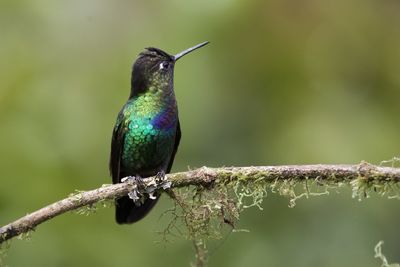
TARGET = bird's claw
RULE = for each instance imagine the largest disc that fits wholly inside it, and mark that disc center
(152, 196)
(160, 177)
(137, 194)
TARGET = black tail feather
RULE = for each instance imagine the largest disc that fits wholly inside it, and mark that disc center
(127, 212)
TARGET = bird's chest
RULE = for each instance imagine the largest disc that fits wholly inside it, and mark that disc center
(149, 140)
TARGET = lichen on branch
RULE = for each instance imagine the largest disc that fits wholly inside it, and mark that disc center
(218, 197)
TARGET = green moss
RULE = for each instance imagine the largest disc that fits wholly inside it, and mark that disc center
(202, 213)
(3, 252)
(382, 257)
(89, 209)
(393, 162)
(5, 246)
(363, 187)
(26, 236)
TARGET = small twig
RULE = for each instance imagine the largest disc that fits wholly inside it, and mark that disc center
(201, 253)
(206, 177)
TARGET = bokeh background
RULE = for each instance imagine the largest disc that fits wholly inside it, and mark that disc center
(282, 82)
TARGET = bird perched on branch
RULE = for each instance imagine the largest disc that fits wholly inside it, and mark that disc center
(147, 132)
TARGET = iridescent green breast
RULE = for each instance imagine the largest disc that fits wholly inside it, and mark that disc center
(149, 135)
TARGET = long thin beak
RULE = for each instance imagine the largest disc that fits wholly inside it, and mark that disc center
(187, 51)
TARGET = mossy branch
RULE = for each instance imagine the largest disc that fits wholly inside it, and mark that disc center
(362, 176)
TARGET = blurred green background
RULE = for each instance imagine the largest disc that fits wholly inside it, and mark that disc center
(282, 82)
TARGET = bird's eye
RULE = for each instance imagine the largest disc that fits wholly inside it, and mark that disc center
(163, 65)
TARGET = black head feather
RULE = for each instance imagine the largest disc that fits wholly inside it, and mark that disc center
(156, 52)
(145, 66)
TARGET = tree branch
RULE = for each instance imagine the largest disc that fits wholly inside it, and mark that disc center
(208, 177)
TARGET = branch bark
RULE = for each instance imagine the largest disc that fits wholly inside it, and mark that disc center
(206, 177)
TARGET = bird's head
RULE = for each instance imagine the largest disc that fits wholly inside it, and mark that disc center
(155, 67)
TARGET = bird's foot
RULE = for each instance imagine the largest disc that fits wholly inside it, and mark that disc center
(127, 179)
(150, 188)
(136, 194)
(134, 180)
(162, 180)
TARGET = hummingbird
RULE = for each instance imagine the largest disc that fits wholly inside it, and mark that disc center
(147, 132)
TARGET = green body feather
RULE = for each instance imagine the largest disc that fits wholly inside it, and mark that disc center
(148, 144)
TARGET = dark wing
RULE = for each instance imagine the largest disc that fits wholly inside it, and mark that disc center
(176, 144)
(117, 144)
